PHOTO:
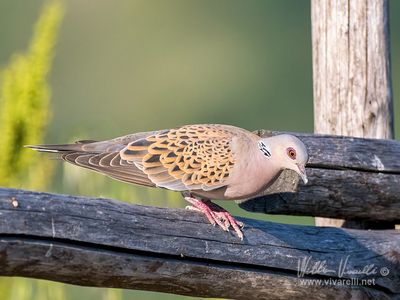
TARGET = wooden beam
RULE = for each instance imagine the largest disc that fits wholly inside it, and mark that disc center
(362, 154)
(350, 178)
(360, 196)
(100, 242)
(351, 70)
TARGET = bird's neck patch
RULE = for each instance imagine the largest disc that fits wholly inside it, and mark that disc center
(264, 149)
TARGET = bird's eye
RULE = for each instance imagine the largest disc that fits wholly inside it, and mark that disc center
(291, 153)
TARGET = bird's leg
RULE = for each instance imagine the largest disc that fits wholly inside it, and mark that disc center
(215, 214)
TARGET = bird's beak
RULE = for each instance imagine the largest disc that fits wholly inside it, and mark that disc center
(302, 173)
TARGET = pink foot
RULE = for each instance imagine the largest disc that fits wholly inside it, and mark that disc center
(216, 215)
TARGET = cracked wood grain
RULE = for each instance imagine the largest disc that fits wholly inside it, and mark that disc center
(351, 68)
(351, 72)
(100, 242)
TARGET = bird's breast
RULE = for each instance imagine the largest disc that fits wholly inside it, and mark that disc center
(251, 178)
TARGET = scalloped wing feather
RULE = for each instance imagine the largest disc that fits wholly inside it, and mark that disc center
(187, 158)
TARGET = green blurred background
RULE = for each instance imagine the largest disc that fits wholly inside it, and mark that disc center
(128, 66)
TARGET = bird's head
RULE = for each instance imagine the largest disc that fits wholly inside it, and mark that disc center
(287, 151)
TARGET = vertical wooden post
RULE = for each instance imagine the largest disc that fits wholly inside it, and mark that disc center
(351, 71)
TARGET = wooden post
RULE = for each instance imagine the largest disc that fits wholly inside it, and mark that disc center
(351, 71)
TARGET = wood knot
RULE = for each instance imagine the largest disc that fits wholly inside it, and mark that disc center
(14, 202)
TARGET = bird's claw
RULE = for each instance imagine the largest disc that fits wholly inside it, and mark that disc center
(216, 215)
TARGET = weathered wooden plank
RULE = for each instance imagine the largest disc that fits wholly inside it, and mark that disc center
(347, 194)
(339, 152)
(153, 247)
(91, 266)
(344, 152)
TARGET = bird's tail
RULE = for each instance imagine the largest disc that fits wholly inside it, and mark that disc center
(60, 148)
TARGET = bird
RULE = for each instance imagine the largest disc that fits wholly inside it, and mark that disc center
(204, 162)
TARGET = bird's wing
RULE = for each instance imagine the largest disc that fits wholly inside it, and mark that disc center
(191, 157)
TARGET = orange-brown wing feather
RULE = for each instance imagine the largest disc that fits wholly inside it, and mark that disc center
(186, 158)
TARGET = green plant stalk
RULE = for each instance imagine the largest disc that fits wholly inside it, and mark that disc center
(24, 105)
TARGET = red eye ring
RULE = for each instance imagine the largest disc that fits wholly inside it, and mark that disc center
(291, 153)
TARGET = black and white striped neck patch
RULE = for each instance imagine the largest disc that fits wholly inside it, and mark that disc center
(264, 149)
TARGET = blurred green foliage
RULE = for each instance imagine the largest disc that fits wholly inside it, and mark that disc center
(24, 115)
(24, 106)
